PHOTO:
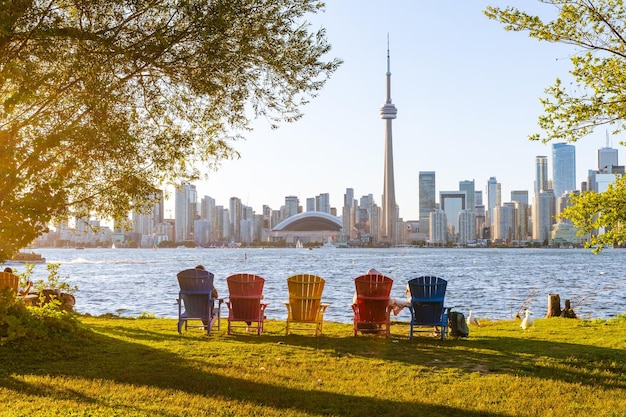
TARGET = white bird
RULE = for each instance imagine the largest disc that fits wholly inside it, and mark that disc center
(528, 321)
(472, 320)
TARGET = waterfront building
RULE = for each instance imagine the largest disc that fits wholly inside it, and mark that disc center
(245, 231)
(235, 210)
(470, 191)
(452, 203)
(291, 206)
(520, 195)
(503, 229)
(521, 221)
(202, 232)
(389, 220)
(479, 210)
(494, 198)
(541, 173)
(563, 168)
(467, 226)
(185, 212)
(438, 228)
(310, 204)
(322, 203)
(348, 215)
(607, 156)
(543, 215)
(427, 197)
(602, 182)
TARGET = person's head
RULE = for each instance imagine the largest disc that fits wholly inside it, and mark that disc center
(8, 269)
(200, 267)
(372, 271)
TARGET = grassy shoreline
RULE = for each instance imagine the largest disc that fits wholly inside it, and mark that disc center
(142, 367)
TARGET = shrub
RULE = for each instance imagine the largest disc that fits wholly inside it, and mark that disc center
(19, 322)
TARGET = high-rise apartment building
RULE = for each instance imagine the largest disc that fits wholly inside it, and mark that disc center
(563, 168)
(543, 215)
(467, 226)
(291, 206)
(521, 221)
(438, 228)
(235, 210)
(348, 214)
(310, 204)
(185, 209)
(322, 203)
(504, 226)
(427, 197)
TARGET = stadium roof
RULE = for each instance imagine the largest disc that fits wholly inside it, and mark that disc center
(310, 221)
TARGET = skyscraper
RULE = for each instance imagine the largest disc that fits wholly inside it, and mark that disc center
(388, 112)
(541, 173)
(469, 188)
(607, 155)
(493, 198)
(427, 196)
(185, 211)
(563, 168)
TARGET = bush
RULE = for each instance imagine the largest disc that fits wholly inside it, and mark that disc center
(19, 322)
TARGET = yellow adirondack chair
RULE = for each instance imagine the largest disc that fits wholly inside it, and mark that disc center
(305, 306)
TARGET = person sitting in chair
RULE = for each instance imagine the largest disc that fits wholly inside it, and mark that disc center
(21, 292)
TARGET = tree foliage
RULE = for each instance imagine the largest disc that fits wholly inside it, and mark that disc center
(606, 212)
(104, 101)
(596, 97)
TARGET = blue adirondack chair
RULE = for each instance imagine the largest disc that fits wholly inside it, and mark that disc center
(196, 297)
(427, 309)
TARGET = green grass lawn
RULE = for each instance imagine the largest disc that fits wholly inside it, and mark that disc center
(143, 367)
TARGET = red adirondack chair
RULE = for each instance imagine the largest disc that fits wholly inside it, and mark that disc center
(244, 303)
(372, 310)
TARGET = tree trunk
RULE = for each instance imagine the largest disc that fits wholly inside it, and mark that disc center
(568, 312)
(554, 306)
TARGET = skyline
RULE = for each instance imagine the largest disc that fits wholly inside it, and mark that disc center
(468, 97)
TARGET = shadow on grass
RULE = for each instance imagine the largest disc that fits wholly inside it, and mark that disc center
(550, 360)
(100, 359)
(170, 371)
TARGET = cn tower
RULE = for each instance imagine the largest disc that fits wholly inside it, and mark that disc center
(388, 112)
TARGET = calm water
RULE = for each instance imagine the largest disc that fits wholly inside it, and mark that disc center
(492, 282)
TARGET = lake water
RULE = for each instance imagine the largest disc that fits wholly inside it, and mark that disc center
(494, 283)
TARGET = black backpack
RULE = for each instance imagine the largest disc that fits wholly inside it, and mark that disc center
(457, 324)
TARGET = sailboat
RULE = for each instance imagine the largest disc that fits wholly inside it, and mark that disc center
(329, 244)
(113, 246)
(299, 244)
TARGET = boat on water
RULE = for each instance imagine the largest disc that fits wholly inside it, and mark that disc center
(27, 258)
(299, 244)
(329, 244)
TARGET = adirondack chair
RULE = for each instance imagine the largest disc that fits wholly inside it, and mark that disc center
(196, 297)
(305, 306)
(9, 280)
(244, 303)
(371, 309)
(427, 309)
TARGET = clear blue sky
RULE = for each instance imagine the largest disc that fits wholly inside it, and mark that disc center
(467, 95)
